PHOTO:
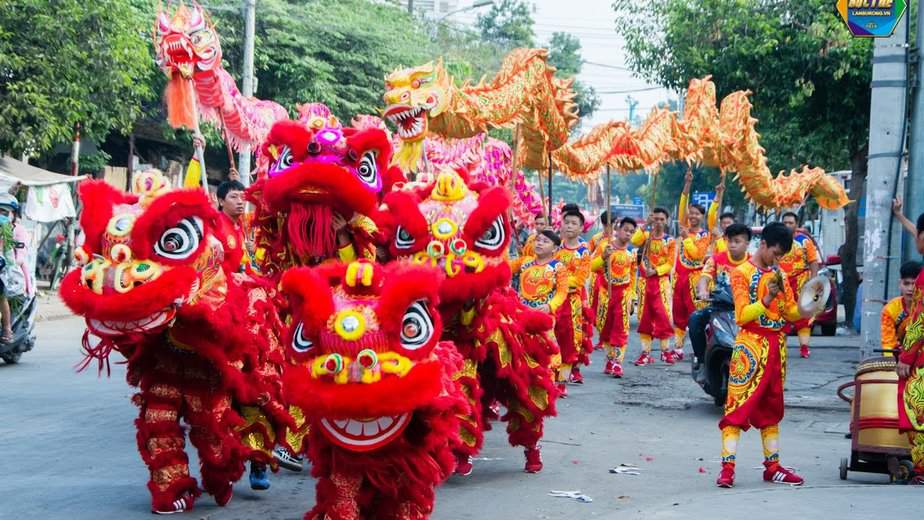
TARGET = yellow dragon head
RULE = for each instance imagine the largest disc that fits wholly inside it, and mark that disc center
(413, 95)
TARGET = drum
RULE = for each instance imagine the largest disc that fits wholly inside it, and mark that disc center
(874, 412)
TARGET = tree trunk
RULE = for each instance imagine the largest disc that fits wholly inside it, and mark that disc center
(848, 251)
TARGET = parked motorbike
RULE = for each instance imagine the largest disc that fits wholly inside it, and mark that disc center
(711, 372)
(23, 310)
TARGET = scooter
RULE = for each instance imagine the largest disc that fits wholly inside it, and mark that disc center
(711, 372)
(23, 309)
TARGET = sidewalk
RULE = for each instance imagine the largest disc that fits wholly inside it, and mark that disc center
(50, 307)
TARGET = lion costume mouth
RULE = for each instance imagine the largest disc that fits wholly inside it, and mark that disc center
(365, 434)
(148, 324)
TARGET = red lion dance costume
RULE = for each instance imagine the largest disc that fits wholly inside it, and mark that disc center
(157, 285)
(508, 348)
(377, 387)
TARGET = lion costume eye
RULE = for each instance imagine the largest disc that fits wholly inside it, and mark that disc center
(403, 239)
(493, 238)
(300, 343)
(181, 241)
(284, 160)
(416, 326)
(368, 171)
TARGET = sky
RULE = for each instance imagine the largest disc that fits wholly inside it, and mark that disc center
(593, 22)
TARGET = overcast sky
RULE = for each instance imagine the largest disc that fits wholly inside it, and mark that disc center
(592, 22)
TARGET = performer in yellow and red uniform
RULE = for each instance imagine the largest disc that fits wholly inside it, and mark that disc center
(615, 291)
(541, 281)
(717, 271)
(657, 252)
(894, 317)
(910, 365)
(592, 246)
(800, 265)
(764, 306)
(696, 241)
(540, 223)
(572, 323)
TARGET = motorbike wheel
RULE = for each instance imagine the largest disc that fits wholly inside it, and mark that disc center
(722, 395)
(11, 358)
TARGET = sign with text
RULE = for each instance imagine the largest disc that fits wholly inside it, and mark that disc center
(872, 18)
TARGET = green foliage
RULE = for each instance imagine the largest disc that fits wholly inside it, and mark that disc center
(565, 55)
(93, 163)
(67, 62)
(332, 51)
(809, 76)
(509, 24)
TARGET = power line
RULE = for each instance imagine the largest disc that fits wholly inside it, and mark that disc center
(629, 91)
(605, 66)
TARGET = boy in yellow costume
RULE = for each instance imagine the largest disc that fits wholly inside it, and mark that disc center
(615, 292)
(572, 323)
(894, 317)
(764, 307)
(541, 281)
(657, 250)
(800, 265)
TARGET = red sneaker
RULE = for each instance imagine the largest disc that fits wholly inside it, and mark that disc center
(533, 460)
(576, 377)
(608, 367)
(617, 369)
(464, 465)
(562, 390)
(917, 480)
(184, 503)
(667, 356)
(678, 354)
(777, 474)
(726, 476)
(644, 359)
(804, 351)
(491, 412)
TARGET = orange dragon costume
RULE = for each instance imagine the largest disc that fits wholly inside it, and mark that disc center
(911, 390)
(377, 386)
(508, 349)
(654, 293)
(614, 286)
(158, 284)
(757, 370)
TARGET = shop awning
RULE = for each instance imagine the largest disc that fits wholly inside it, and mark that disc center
(28, 175)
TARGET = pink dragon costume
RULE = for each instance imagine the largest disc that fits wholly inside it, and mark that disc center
(377, 386)
(157, 283)
(463, 229)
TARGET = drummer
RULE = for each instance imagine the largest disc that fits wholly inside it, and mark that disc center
(894, 318)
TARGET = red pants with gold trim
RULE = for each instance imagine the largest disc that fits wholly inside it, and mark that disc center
(187, 387)
(685, 280)
(911, 412)
(756, 375)
(614, 324)
(655, 311)
(573, 330)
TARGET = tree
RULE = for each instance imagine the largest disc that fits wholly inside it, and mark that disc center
(80, 62)
(332, 51)
(565, 55)
(809, 77)
(509, 24)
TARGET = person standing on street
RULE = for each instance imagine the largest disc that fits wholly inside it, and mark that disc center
(571, 329)
(800, 265)
(657, 251)
(764, 306)
(696, 240)
(615, 289)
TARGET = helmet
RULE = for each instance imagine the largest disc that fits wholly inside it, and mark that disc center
(9, 201)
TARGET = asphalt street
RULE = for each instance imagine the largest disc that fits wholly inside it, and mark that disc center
(67, 446)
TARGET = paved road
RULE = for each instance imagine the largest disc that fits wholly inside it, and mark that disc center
(68, 452)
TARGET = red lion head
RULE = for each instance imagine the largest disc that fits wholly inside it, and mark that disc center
(460, 228)
(146, 256)
(315, 170)
(364, 336)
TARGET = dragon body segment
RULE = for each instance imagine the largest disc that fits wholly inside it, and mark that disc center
(524, 93)
(189, 53)
(157, 284)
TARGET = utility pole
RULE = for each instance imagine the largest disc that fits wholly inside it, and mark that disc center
(250, 15)
(914, 184)
(886, 147)
(410, 7)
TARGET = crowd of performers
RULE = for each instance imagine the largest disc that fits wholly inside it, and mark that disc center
(378, 326)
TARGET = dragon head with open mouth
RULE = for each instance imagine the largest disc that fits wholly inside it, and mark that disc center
(147, 257)
(366, 340)
(186, 41)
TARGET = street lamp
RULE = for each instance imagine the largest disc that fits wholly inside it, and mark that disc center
(476, 5)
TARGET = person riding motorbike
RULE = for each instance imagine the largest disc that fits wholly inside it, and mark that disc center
(13, 277)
